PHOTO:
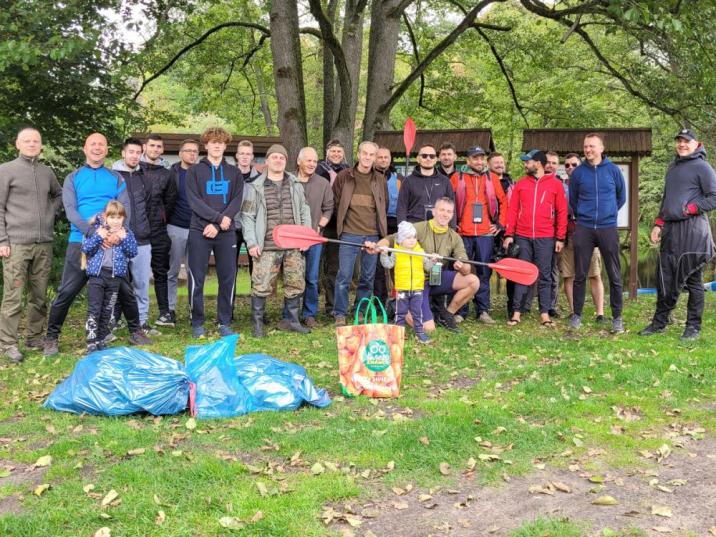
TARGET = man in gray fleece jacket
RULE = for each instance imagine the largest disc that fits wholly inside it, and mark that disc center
(30, 197)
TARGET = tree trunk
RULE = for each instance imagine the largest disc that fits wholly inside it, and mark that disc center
(288, 76)
(382, 50)
(261, 86)
(329, 80)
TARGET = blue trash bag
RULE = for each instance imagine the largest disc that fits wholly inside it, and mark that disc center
(219, 393)
(277, 385)
(120, 381)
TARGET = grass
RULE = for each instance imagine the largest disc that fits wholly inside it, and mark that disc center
(533, 393)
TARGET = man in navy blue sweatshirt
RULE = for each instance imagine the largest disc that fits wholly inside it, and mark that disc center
(682, 228)
(214, 189)
(596, 193)
(179, 220)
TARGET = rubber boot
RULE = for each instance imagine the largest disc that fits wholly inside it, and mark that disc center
(258, 306)
(293, 306)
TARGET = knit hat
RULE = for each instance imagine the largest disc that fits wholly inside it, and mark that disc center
(277, 148)
(406, 230)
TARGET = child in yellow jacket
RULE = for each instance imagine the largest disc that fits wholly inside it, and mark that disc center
(409, 278)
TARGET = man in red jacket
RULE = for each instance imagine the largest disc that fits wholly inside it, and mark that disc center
(537, 222)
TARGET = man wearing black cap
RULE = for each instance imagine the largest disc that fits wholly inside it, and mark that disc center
(537, 222)
(596, 193)
(422, 188)
(481, 207)
(683, 230)
(275, 197)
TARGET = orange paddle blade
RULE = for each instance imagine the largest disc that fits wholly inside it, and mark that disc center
(516, 270)
(290, 236)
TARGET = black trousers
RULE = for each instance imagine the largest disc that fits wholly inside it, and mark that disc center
(200, 248)
(239, 242)
(668, 296)
(102, 292)
(540, 252)
(161, 245)
(607, 240)
(126, 304)
(73, 281)
(380, 285)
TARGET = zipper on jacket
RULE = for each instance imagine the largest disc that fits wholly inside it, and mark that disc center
(534, 210)
(596, 190)
(37, 196)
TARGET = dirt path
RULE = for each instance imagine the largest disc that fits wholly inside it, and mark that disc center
(686, 504)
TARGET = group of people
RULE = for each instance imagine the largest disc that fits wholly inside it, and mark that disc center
(417, 234)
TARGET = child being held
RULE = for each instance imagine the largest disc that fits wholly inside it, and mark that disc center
(107, 248)
(409, 278)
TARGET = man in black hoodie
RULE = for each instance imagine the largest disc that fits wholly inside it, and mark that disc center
(214, 188)
(163, 198)
(329, 168)
(682, 227)
(422, 188)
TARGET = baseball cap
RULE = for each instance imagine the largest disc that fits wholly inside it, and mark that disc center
(477, 150)
(686, 134)
(535, 154)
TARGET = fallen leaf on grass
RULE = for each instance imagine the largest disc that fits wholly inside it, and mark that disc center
(4, 472)
(398, 491)
(562, 487)
(160, 518)
(353, 520)
(424, 497)
(88, 487)
(110, 497)
(231, 522)
(444, 468)
(317, 469)
(400, 505)
(425, 440)
(191, 425)
(712, 530)
(257, 516)
(596, 479)
(605, 500)
(661, 529)
(471, 462)
(40, 489)
(263, 491)
(103, 532)
(539, 489)
(43, 461)
(661, 510)
(134, 452)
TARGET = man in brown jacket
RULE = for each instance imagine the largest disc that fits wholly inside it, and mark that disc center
(29, 199)
(360, 199)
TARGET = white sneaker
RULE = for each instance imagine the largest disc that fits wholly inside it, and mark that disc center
(485, 318)
(459, 318)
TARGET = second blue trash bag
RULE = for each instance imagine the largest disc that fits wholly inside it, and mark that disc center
(219, 393)
(120, 381)
(277, 385)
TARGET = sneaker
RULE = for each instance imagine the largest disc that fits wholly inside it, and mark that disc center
(225, 330)
(423, 338)
(617, 326)
(690, 334)
(600, 319)
(554, 314)
(284, 325)
(458, 318)
(109, 338)
(119, 325)
(575, 322)
(173, 315)
(340, 320)
(447, 320)
(485, 318)
(139, 338)
(14, 354)
(150, 331)
(310, 322)
(50, 347)
(165, 319)
(650, 330)
(197, 332)
(34, 345)
(91, 347)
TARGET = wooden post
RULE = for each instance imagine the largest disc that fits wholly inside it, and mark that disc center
(633, 226)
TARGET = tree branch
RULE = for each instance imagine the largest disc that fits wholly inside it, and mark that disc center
(416, 55)
(503, 68)
(196, 43)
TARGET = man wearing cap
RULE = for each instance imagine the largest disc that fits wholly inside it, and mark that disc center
(596, 193)
(274, 198)
(481, 207)
(422, 188)
(683, 232)
(537, 222)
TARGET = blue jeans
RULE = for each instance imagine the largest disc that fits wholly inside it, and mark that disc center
(346, 262)
(480, 249)
(310, 295)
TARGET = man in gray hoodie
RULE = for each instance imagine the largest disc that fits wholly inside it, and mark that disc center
(30, 197)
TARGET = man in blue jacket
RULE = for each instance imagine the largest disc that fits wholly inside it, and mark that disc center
(596, 193)
(682, 227)
(85, 192)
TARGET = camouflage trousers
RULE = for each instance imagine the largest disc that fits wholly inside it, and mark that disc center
(268, 266)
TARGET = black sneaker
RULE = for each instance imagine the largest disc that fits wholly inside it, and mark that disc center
(139, 338)
(601, 319)
(447, 320)
(650, 330)
(690, 334)
(165, 319)
(554, 314)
